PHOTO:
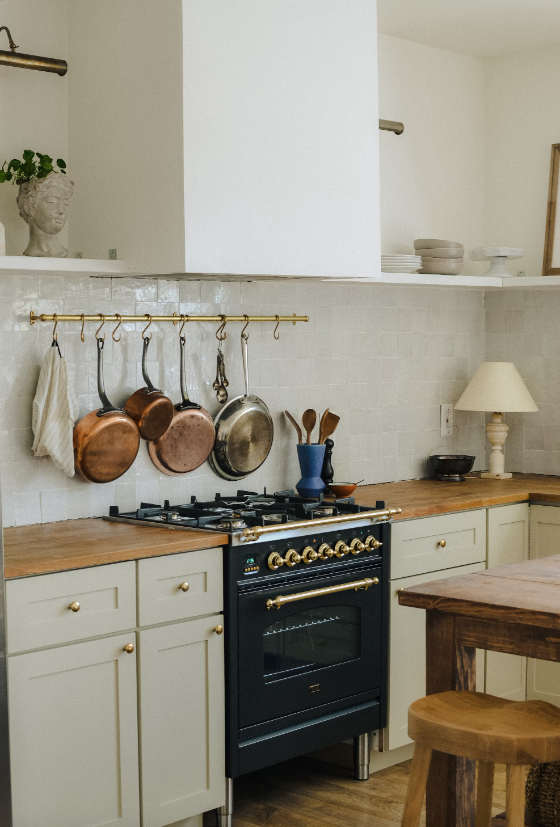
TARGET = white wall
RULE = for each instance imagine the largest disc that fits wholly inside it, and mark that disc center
(522, 123)
(432, 176)
(33, 104)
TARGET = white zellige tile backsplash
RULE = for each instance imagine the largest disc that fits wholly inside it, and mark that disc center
(381, 357)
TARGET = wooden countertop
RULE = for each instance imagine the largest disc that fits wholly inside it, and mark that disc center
(77, 544)
(421, 498)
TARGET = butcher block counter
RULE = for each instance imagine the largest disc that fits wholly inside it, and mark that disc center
(77, 544)
(422, 498)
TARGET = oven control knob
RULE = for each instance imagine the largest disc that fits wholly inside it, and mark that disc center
(372, 544)
(275, 561)
(341, 549)
(325, 551)
(357, 546)
(309, 554)
(292, 558)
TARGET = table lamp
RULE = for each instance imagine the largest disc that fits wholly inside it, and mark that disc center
(496, 387)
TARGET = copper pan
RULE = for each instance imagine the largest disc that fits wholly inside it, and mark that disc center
(151, 409)
(189, 439)
(106, 441)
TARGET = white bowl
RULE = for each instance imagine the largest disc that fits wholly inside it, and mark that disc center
(441, 252)
(442, 266)
(424, 243)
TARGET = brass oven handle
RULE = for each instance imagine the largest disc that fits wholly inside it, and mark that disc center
(254, 532)
(281, 600)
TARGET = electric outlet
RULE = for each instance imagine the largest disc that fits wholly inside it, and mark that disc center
(446, 419)
(79, 255)
(521, 273)
(113, 253)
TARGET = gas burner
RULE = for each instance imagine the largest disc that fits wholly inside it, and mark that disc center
(231, 525)
(272, 518)
(322, 512)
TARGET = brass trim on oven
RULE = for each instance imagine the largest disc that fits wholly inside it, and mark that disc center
(254, 532)
(281, 600)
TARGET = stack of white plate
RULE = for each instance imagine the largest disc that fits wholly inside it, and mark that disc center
(441, 257)
(400, 264)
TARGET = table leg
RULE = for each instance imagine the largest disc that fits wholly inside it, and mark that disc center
(450, 794)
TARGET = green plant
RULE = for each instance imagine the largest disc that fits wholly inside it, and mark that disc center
(33, 165)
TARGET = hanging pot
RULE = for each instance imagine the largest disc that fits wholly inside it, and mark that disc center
(189, 439)
(151, 409)
(106, 441)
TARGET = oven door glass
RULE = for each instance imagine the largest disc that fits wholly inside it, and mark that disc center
(310, 652)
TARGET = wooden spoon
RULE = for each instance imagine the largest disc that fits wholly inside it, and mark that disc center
(309, 419)
(321, 440)
(296, 426)
(330, 422)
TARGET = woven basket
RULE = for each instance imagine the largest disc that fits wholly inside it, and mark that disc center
(543, 793)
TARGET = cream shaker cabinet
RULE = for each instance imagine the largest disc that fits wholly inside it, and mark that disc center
(508, 542)
(94, 732)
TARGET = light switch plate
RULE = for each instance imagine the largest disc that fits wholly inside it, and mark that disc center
(446, 419)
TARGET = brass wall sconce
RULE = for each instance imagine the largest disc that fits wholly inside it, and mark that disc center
(19, 61)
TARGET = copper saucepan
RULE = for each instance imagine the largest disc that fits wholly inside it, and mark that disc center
(151, 409)
(106, 441)
(189, 439)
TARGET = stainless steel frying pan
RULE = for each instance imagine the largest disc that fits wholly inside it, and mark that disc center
(244, 432)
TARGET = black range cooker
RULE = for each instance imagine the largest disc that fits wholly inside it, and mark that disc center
(306, 606)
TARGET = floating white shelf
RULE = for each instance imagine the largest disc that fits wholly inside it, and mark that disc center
(481, 282)
(29, 266)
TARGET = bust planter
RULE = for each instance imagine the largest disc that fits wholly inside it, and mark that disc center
(43, 203)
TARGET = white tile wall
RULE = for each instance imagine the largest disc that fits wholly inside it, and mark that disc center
(522, 327)
(381, 357)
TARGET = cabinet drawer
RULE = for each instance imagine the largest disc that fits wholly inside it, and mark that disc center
(436, 543)
(38, 608)
(180, 586)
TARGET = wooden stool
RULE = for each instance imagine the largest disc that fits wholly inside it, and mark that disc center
(490, 730)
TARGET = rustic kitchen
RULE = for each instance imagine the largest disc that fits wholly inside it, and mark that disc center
(279, 301)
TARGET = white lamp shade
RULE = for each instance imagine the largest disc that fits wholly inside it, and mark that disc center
(497, 386)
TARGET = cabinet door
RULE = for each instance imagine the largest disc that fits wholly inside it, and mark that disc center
(508, 542)
(74, 736)
(181, 720)
(407, 658)
(543, 676)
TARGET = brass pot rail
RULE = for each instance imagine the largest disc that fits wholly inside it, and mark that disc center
(283, 599)
(176, 318)
(254, 532)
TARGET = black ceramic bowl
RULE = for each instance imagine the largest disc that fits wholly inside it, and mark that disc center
(449, 466)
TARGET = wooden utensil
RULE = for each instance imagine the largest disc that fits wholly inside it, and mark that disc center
(296, 426)
(321, 440)
(309, 419)
(328, 427)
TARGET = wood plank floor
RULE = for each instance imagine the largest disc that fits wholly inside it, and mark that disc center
(309, 793)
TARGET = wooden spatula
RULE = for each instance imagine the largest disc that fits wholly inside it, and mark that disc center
(309, 419)
(328, 426)
(321, 427)
(296, 426)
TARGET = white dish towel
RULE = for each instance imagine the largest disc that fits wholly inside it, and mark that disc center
(54, 410)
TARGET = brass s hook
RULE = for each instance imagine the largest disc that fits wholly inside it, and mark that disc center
(276, 333)
(54, 336)
(245, 335)
(147, 315)
(184, 319)
(102, 317)
(221, 334)
(118, 315)
(82, 337)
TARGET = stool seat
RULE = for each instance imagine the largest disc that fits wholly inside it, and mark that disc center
(487, 728)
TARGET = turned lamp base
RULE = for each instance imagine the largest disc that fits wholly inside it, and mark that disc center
(497, 432)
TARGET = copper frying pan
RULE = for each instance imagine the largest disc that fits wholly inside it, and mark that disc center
(149, 407)
(106, 441)
(189, 439)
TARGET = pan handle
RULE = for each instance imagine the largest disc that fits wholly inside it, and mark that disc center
(244, 349)
(186, 403)
(106, 405)
(149, 387)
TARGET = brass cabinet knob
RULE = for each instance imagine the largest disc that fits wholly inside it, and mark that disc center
(275, 561)
(341, 549)
(184, 586)
(75, 606)
(292, 558)
(218, 629)
(325, 551)
(129, 648)
(442, 543)
(309, 554)
(356, 546)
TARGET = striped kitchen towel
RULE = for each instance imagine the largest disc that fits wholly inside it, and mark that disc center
(54, 410)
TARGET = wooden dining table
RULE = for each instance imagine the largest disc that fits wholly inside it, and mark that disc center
(513, 609)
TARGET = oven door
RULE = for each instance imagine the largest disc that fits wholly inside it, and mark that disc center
(312, 651)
